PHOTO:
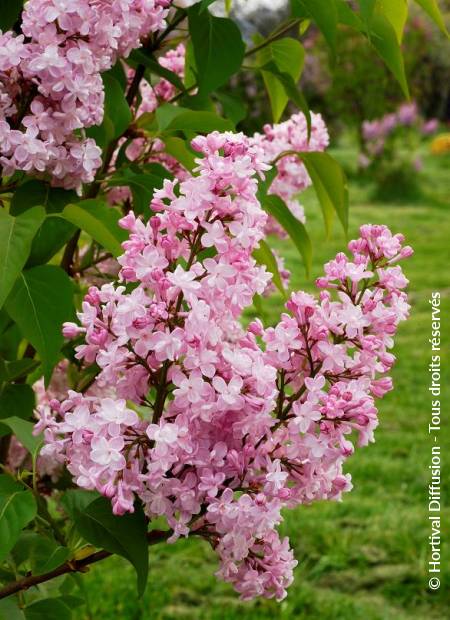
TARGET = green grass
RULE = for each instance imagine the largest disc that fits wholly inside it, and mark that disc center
(363, 558)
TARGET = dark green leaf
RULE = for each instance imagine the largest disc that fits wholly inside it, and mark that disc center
(49, 609)
(10, 371)
(54, 233)
(17, 400)
(323, 13)
(294, 228)
(100, 221)
(116, 106)
(330, 184)
(264, 256)
(142, 186)
(125, 535)
(143, 57)
(233, 107)
(218, 48)
(39, 303)
(17, 509)
(77, 500)
(288, 56)
(10, 13)
(199, 122)
(16, 236)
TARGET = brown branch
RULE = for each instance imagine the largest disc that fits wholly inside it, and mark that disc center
(72, 566)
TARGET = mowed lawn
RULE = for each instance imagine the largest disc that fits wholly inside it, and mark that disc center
(366, 557)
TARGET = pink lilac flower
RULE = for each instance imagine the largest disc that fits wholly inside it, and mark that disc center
(236, 423)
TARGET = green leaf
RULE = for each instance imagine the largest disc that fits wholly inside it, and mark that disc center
(142, 186)
(116, 106)
(43, 554)
(23, 430)
(17, 400)
(10, 610)
(384, 39)
(100, 221)
(330, 184)
(348, 17)
(396, 12)
(264, 256)
(39, 303)
(204, 4)
(49, 609)
(233, 108)
(10, 13)
(198, 122)
(367, 8)
(144, 57)
(294, 228)
(77, 500)
(218, 48)
(16, 236)
(46, 555)
(16, 369)
(431, 7)
(38, 193)
(179, 149)
(288, 56)
(323, 13)
(125, 535)
(291, 90)
(54, 232)
(17, 509)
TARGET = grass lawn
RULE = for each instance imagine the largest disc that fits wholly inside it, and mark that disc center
(365, 557)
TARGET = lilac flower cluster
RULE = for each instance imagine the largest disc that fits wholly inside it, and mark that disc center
(379, 134)
(50, 84)
(212, 425)
(292, 177)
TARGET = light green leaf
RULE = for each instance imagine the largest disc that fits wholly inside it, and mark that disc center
(10, 610)
(384, 39)
(218, 48)
(23, 430)
(264, 256)
(17, 509)
(396, 11)
(330, 184)
(431, 7)
(291, 90)
(100, 221)
(323, 13)
(179, 149)
(289, 56)
(125, 535)
(16, 236)
(39, 303)
(294, 228)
